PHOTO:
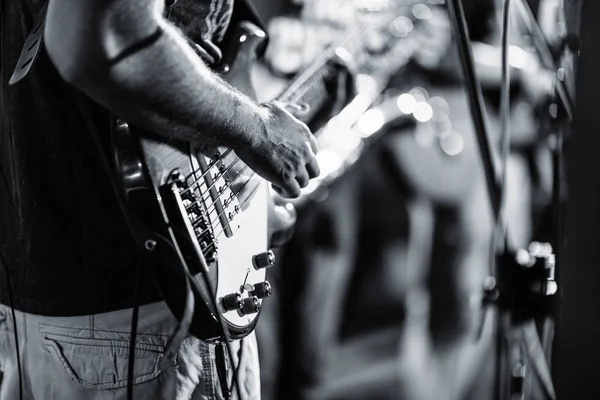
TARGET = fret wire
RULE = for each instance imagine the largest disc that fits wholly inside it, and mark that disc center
(311, 86)
(350, 36)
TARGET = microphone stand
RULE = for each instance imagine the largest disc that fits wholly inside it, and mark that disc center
(511, 289)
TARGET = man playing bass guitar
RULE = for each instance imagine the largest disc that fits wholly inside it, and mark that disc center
(68, 259)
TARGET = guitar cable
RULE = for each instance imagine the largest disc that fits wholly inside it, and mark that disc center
(134, 326)
(14, 318)
(9, 288)
(4, 262)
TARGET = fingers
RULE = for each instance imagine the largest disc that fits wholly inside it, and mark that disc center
(291, 190)
(312, 167)
(312, 142)
(302, 178)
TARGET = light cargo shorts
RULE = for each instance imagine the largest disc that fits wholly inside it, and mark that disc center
(85, 357)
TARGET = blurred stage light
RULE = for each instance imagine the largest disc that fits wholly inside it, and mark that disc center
(401, 27)
(421, 11)
(452, 144)
(406, 103)
(329, 162)
(423, 112)
(419, 94)
(517, 57)
(370, 122)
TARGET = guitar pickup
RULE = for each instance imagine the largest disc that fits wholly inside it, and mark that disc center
(224, 205)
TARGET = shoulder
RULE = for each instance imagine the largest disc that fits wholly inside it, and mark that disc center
(82, 32)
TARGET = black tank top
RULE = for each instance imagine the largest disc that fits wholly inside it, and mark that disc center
(66, 246)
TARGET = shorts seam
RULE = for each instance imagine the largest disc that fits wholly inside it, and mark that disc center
(100, 330)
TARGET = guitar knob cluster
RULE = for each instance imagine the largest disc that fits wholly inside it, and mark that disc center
(263, 260)
(233, 302)
(251, 305)
(262, 290)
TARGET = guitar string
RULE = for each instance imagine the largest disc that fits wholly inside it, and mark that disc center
(220, 233)
(219, 158)
(197, 183)
(210, 209)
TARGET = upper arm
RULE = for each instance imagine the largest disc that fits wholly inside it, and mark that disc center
(82, 35)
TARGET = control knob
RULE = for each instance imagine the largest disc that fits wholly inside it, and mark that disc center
(262, 290)
(251, 305)
(263, 260)
(232, 302)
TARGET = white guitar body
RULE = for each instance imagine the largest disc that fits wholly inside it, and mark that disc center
(191, 198)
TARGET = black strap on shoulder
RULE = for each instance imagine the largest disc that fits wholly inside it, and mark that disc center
(31, 48)
(243, 10)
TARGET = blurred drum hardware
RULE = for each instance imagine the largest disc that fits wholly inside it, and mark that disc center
(524, 287)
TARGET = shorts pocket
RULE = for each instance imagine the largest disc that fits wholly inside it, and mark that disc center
(101, 363)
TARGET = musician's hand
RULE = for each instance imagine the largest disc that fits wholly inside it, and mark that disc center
(284, 152)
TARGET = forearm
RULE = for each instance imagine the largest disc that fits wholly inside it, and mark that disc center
(144, 71)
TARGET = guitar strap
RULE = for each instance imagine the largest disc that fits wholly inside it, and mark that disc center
(31, 48)
(243, 10)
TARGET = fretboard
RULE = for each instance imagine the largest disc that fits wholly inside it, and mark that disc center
(313, 85)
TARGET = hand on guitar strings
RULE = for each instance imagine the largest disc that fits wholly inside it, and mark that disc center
(283, 151)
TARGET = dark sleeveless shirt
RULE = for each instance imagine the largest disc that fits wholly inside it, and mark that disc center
(62, 235)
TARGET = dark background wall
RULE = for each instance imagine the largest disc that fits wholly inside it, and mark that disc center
(578, 348)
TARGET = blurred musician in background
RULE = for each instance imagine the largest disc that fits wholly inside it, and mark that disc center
(379, 293)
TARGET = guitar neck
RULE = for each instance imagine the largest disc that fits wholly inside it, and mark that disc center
(312, 86)
(311, 89)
